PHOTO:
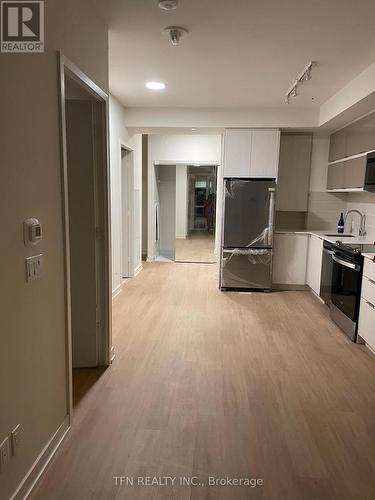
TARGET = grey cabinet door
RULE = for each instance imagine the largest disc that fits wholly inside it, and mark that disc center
(354, 172)
(294, 172)
(336, 176)
(348, 174)
(360, 136)
(337, 145)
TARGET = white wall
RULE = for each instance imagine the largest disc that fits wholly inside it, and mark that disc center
(324, 208)
(283, 117)
(120, 136)
(33, 328)
(360, 88)
(181, 201)
(179, 149)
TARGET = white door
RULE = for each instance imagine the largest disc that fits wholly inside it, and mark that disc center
(127, 241)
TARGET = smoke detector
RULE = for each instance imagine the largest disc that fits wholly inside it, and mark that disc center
(168, 4)
(175, 33)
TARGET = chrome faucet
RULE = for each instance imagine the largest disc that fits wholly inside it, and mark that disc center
(362, 227)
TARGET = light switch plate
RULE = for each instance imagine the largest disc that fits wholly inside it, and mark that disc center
(4, 453)
(33, 267)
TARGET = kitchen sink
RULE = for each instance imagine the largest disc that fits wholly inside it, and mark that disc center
(340, 235)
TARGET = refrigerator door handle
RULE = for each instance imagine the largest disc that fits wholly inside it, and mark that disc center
(271, 215)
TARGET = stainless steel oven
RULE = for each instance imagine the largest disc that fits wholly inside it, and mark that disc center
(326, 273)
(346, 289)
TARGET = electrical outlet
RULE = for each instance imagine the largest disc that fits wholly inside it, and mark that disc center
(4, 453)
(15, 438)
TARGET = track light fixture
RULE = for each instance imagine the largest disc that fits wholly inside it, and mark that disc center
(303, 77)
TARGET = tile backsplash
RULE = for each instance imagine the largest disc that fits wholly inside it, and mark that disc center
(290, 220)
(365, 203)
(324, 209)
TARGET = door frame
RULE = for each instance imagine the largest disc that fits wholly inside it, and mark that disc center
(127, 203)
(105, 349)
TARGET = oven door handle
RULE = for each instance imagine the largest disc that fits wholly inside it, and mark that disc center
(345, 263)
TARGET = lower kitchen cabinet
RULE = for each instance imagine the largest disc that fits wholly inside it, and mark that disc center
(314, 263)
(366, 322)
(289, 261)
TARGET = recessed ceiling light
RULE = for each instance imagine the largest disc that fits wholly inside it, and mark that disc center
(155, 85)
(168, 4)
(193, 129)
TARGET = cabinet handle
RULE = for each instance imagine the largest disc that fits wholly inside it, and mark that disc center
(371, 281)
(369, 304)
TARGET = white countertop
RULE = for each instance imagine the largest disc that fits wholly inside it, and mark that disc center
(357, 240)
(369, 256)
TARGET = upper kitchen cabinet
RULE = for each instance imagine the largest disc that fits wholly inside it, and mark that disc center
(337, 145)
(294, 172)
(265, 153)
(360, 136)
(251, 153)
(354, 139)
(347, 175)
(237, 152)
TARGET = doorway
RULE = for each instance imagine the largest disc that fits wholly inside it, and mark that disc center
(198, 242)
(86, 234)
(127, 212)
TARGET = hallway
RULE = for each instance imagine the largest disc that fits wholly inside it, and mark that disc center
(218, 384)
(199, 246)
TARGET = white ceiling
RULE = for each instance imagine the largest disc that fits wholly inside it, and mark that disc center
(239, 53)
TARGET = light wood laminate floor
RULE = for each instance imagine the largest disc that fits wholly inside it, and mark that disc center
(218, 384)
(199, 246)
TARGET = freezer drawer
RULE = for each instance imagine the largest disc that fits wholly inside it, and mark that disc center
(248, 269)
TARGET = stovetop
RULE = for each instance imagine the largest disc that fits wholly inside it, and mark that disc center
(356, 248)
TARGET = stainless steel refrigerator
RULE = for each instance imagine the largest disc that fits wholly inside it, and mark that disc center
(247, 234)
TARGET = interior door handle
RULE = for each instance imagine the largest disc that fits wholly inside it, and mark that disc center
(369, 304)
(371, 281)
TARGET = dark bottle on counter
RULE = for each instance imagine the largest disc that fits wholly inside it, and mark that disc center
(341, 224)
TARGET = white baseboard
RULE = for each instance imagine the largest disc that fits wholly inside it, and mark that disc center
(150, 259)
(113, 354)
(137, 270)
(370, 348)
(116, 291)
(39, 466)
